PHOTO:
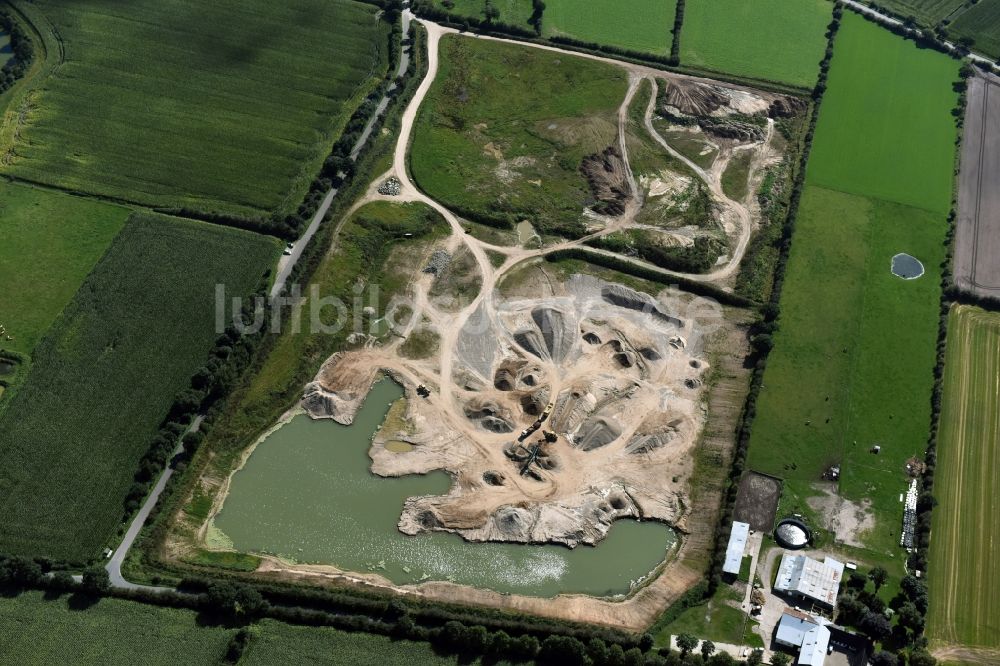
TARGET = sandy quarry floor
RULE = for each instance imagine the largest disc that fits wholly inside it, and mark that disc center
(611, 386)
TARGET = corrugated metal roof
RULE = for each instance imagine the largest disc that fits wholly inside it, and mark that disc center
(737, 544)
(792, 629)
(810, 578)
(814, 646)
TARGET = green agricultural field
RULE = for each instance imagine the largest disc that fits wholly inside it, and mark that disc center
(981, 23)
(278, 643)
(503, 130)
(964, 552)
(105, 375)
(513, 12)
(36, 630)
(637, 25)
(775, 40)
(885, 128)
(865, 341)
(219, 106)
(50, 242)
(852, 364)
(929, 12)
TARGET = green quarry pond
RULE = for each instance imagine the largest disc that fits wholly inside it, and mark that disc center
(306, 494)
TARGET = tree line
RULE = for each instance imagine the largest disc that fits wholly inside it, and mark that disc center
(23, 54)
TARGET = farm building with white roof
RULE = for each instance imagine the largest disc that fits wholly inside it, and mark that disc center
(810, 579)
(734, 551)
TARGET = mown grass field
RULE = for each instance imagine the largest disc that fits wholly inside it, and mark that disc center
(105, 375)
(36, 630)
(637, 25)
(219, 106)
(50, 242)
(885, 128)
(964, 552)
(852, 364)
(504, 128)
(776, 40)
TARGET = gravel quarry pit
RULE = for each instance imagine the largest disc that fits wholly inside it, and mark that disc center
(566, 413)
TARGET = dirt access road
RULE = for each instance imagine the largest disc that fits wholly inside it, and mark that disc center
(977, 240)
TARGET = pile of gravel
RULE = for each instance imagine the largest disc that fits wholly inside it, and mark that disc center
(390, 187)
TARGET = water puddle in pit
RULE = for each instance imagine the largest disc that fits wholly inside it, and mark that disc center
(306, 493)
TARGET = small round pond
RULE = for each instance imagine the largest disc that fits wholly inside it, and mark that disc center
(306, 494)
(907, 267)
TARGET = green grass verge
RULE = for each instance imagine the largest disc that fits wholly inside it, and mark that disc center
(736, 177)
(714, 620)
(963, 551)
(885, 128)
(502, 132)
(775, 40)
(50, 242)
(106, 374)
(219, 106)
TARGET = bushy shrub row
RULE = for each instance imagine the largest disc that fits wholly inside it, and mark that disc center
(675, 45)
(629, 268)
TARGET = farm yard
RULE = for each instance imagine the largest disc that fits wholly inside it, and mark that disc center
(487, 137)
(50, 242)
(191, 104)
(853, 356)
(35, 629)
(105, 375)
(774, 40)
(964, 552)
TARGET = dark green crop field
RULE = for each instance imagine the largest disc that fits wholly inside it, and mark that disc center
(115, 632)
(221, 106)
(853, 358)
(106, 374)
(504, 129)
(50, 242)
(777, 40)
(981, 23)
